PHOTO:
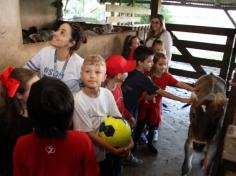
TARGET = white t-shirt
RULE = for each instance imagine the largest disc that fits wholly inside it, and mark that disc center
(90, 112)
(167, 41)
(43, 62)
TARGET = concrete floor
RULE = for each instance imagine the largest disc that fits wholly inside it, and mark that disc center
(172, 135)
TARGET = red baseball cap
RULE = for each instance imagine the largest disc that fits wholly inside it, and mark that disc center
(118, 64)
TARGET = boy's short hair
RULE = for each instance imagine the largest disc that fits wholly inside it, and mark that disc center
(94, 60)
(50, 105)
(141, 53)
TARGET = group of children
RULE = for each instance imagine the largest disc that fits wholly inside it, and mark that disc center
(62, 123)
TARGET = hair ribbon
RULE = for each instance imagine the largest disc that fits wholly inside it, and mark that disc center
(9, 83)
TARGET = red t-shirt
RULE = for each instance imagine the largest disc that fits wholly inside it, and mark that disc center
(131, 55)
(155, 108)
(71, 156)
(118, 95)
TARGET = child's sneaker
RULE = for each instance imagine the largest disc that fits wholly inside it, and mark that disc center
(155, 137)
(143, 139)
(131, 160)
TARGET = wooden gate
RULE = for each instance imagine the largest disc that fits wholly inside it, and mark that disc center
(228, 49)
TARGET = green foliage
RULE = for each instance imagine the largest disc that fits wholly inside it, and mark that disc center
(167, 14)
(145, 19)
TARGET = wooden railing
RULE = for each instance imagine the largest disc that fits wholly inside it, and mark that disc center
(226, 64)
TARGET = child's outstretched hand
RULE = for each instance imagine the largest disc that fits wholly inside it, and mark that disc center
(186, 100)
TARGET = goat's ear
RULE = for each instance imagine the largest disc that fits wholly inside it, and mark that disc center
(220, 100)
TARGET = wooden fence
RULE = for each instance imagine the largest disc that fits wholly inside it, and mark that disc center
(228, 49)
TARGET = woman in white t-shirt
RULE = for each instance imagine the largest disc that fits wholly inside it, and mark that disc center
(158, 31)
(60, 59)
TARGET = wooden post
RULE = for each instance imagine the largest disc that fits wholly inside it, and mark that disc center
(230, 112)
(154, 7)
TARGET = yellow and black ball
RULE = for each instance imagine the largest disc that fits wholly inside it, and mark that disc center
(116, 131)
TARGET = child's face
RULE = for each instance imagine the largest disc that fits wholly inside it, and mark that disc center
(61, 37)
(135, 43)
(158, 48)
(93, 75)
(161, 66)
(146, 65)
(24, 97)
(122, 76)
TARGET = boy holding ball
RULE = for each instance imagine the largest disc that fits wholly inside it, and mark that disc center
(92, 105)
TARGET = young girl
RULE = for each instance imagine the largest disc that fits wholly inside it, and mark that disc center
(150, 112)
(60, 60)
(131, 43)
(52, 149)
(14, 121)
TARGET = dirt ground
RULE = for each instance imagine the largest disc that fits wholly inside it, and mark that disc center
(172, 135)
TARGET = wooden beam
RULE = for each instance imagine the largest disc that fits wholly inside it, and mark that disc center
(197, 60)
(154, 7)
(127, 9)
(188, 74)
(227, 59)
(200, 45)
(201, 29)
(183, 50)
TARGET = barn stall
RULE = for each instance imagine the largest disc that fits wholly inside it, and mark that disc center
(17, 15)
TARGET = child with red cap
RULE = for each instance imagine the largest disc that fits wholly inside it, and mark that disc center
(117, 71)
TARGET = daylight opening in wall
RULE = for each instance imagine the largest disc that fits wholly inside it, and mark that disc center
(84, 11)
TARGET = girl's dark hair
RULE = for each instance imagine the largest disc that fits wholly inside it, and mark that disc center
(151, 33)
(12, 107)
(77, 35)
(50, 105)
(157, 57)
(127, 44)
